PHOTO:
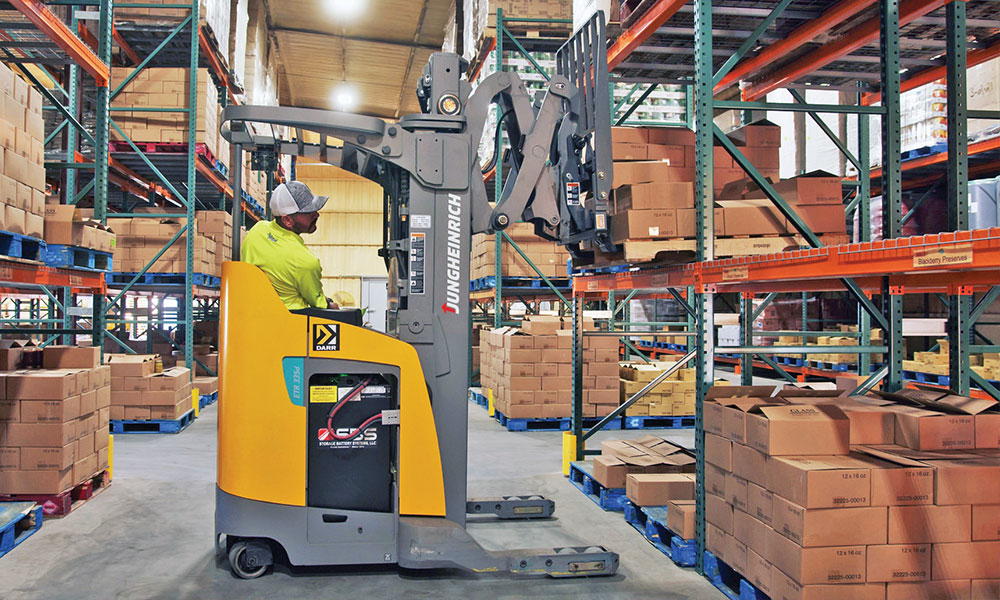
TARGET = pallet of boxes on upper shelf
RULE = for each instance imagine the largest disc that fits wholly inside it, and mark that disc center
(22, 184)
(529, 369)
(653, 204)
(811, 493)
(548, 257)
(74, 239)
(166, 88)
(54, 444)
(140, 239)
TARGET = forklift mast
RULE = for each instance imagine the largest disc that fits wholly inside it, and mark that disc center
(435, 197)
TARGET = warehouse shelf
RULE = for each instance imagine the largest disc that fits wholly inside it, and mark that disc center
(732, 53)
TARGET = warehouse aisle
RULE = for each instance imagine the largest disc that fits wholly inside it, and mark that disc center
(149, 535)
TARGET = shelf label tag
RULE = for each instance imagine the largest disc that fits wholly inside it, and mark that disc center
(943, 256)
(736, 273)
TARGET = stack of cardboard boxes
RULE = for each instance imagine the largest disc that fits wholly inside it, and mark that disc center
(22, 131)
(986, 365)
(654, 195)
(163, 87)
(54, 420)
(530, 370)
(67, 225)
(139, 240)
(138, 392)
(549, 257)
(673, 396)
(809, 495)
(217, 225)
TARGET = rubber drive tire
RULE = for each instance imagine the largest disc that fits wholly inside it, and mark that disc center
(237, 562)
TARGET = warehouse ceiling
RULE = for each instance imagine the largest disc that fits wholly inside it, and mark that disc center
(380, 53)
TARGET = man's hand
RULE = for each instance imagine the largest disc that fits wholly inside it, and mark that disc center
(331, 304)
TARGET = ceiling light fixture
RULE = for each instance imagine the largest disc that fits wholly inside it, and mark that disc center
(346, 10)
(345, 97)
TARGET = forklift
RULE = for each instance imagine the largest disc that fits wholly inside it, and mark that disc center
(341, 445)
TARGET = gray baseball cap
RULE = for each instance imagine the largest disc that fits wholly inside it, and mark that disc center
(295, 197)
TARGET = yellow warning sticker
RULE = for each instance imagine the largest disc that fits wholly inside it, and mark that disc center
(323, 393)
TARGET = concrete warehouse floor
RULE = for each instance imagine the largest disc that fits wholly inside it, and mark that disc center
(149, 535)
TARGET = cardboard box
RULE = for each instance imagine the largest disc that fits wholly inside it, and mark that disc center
(659, 195)
(644, 224)
(715, 480)
(760, 503)
(680, 518)
(899, 563)
(719, 451)
(41, 385)
(988, 430)
(10, 458)
(758, 571)
(656, 489)
(897, 480)
(36, 482)
(736, 491)
(718, 512)
(750, 464)
(798, 430)
(986, 522)
(929, 590)
(985, 589)
(750, 531)
(829, 527)
(50, 411)
(784, 587)
(833, 564)
(965, 560)
(966, 481)
(10, 411)
(820, 481)
(761, 133)
(929, 524)
(71, 357)
(130, 365)
(929, 430)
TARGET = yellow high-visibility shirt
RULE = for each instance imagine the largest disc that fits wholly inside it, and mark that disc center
(293, 270)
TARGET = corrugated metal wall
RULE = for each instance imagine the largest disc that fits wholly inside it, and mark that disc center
(349, 232)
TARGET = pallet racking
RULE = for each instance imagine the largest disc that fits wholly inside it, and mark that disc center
(770, 44)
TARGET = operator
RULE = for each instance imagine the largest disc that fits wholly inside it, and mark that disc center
(276, 247)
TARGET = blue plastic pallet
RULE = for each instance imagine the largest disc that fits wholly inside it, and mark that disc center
(17, 245)
(153, 426)
(57, 255)
(551, 424)
(610, 499)
(728, 581)
(839, 367)
(651, 522)
(937, 148)
(206, 399)
(653, 422)
(788, 360)
(172, 279)
(18, 522)
(490, 282)
(478, 399)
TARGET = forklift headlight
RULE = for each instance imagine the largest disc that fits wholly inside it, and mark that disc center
(449, 105)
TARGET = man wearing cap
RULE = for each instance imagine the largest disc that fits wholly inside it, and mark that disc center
(276, 247)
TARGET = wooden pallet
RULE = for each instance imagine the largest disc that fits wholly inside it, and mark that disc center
(676, 251)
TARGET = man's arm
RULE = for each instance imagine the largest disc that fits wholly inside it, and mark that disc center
(310, 284)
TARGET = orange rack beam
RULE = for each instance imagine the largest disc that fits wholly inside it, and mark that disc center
(973, 58)
(646, 26)
(942, 157)
(74, 47)
(943, 261)
(13, 273)
(860, 36)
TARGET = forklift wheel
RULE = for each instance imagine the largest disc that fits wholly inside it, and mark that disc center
(243, 563)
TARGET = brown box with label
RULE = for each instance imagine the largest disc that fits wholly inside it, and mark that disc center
(899, 563)
(644, 224)
(130, 365)
(10, 458)
(50, 411)
(750, 531)
(985, 589)
(36, 482)
(929, 590)
(41, 385)
(750, 464)
(922, 429)
(897, 480)
(762, 133)
(659, 195)
(736, 491)
(986, 522)
(719, 451)
(656, 489)
(58, 458)
(832, 564)
(718, 512)
(784, 587)
(829, 527)
(820, 481)
(680, 518)
(929, 524)
(760, 503)
(798, 430)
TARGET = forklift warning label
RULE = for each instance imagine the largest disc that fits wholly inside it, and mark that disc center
(326, 337)
(323, 393)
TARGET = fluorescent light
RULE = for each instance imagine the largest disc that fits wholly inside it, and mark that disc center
(346, 10)
(345, 97)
